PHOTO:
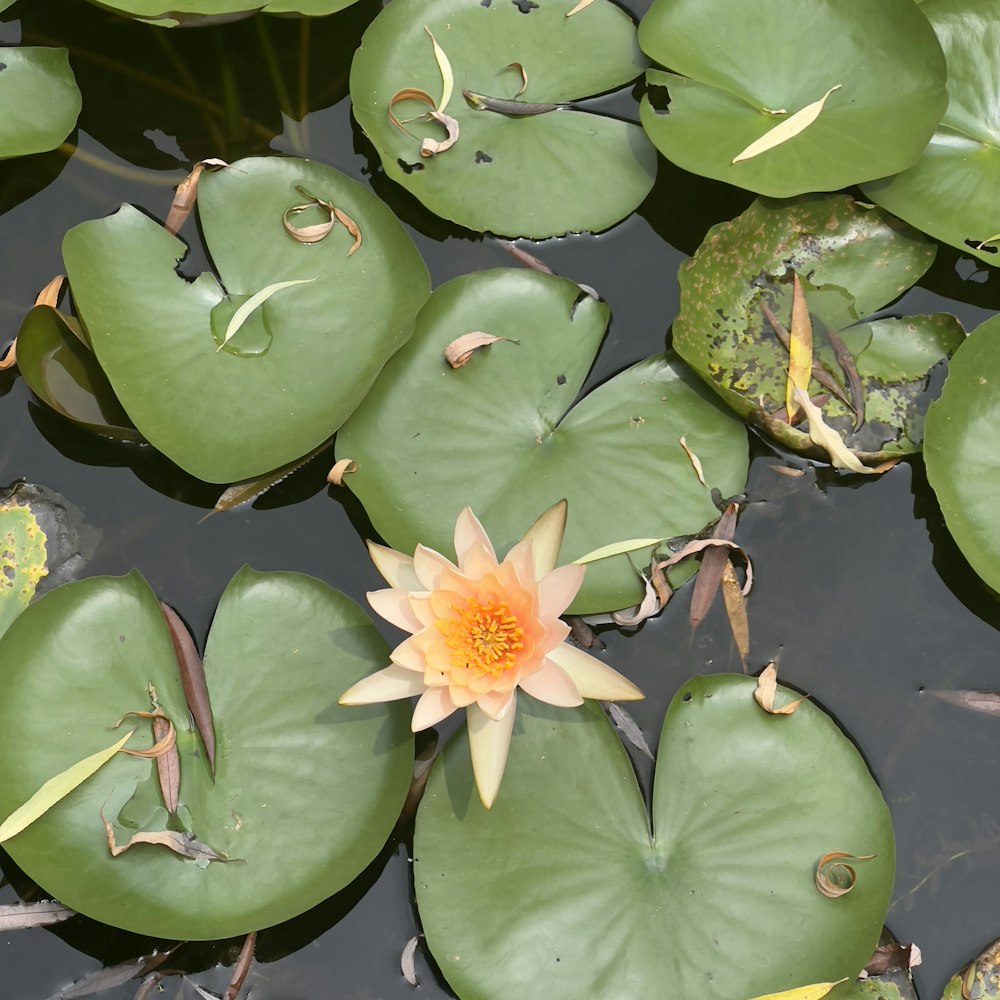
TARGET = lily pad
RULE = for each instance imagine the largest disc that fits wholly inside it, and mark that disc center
(499, 434)
(950, 192)
(22, 559)
(304, 793)
(40, 98)
(201, 13)
(739, 72)
(562, 890)
(852, 260)
(963, 428)
(303, 360)
(980, 980)
(509, 172)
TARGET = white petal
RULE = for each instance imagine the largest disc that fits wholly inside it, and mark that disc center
(429, 565)
(468, 531)
(553, 685)
(557, 589)
(592, 678)
(394, 606)
(435, 704)
(546, 536)
(496, 704)
(489, 741)
(396, 569)
(408, 654)
(389, 684)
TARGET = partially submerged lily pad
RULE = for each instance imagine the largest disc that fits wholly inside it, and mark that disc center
(304, 792)
(716, 901)
(22, 559)
(851, 261)
(39, 97)
(200, 13)
(739, 72)
(980, 980)
(511, 170)
(503, 428)
(950, 192)
(230, 410)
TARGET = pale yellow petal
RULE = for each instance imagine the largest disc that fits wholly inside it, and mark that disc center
(390, 684)
(592, 678)
(553, 685)
(546, 536)
(396, 569)
(409, 655)
(429, 565)
(468, 532)
(435, 704)
(557, 589)
(394, 606)
(489, 741)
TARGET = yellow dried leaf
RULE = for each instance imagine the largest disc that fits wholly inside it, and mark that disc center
(243, 313)
(524, 73)
(49, 295)
(342, 468)
(767, 688)
(617, 549)
(447, 77)
(800, 350)
(825, 437)
(460, 350)
(736, 611)
(58, 788)
(579, 7)
(814, 992)
(787, 129)
(694, 459)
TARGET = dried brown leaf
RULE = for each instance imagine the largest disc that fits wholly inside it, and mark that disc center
(649, 606)
(850, 369)
(408, 94)
(800, 350)
(162, 743)
(242, 966)
(18, 916)
(421, 772)
(186, 195)
(460, 350)
(629, 728)
(168, 766)
(524, 73)
(834, 878)
(431, 147)
(49, 295)
(527, 259)
(694, 460)
(147, 986)
(699, 545)
(976, 701)
(10, 358)
(890, 956)
(102, 980)
(580, 6)
(787, 470)
(582, 634)
(767, 688)
(192, 673)
(736, 611)
(351, 226)
(178, 841)
(713, 562)
(407, 961)
(342, 468)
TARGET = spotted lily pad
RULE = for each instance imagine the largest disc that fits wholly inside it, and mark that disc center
(950, 192)
(302, 361)
(22, 559)
(509, 171)
(200, 13)
(39, 97)
(304, 793)
(567, 889)
(980, 980)
(852, 260)
(499, 433)
(738, 72)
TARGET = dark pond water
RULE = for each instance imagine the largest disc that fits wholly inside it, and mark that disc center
(858, 584)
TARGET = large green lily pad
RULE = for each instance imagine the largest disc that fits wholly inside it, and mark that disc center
(963, 437)
(852, 260)
(200, 13)
(305, 792)
(499, 434)
(563, 891)
(950, 192)
(735, 65)
(297, 367)
(520, 175)
(39, 97)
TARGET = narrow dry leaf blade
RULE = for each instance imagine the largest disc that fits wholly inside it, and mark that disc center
(976, 701)
(102, 980)
(787, 129)
(58, 788)
(650, 606)
(407, 94)
(168, 766)
(242, 966)
(351, 226)
(431, 147)
(342, 468)
(447, 77)
(527, 259)
(825, 437)
(629, 728)
(800, 349)
(736, 611)
(694, 460)
(814, 992)
(192, 673)
(244, 312)
(524, 73)
(408, 960)
(460, 350)
(162, 743)
(10, 358)
(49, 295)
(179, 842)
(18, 916)
(580, 6)
(713, 562)
(147, 986)
(617, 549)
(834, 878)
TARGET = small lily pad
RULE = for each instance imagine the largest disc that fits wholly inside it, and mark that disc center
(739, 72)
(304, 792)
(510, 171)
(304, 359)
(505, 427)
(565, 889)
(852, 260)
(950, 192)
(39, 97)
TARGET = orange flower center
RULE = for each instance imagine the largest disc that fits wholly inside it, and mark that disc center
(483, 636)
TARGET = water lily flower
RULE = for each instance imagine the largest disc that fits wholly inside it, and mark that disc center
(481, 630)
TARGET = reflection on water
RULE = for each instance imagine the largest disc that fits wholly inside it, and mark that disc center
(858, 585)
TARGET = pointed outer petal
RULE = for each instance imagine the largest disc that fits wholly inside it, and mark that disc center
(468, 531)
(462, 696)
(497, 704)
(546, 536)
(409, 655)
(435, 704)
(489, 741)
(420, 605)
(477, 561)
(396, 569)
(521, 559)
(557, 589)
(429, 565)
(556, 631)
(389, 684)
(394, 606)
(553, 685)
(592, 678)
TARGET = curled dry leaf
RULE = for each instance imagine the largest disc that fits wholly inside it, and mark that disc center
(18, 916)
(650, 605)
(431, 147)
(162, 743)
(407, 961)
(460, 350)
(524, 73)
(342, 468)
(834, 878)
(319, 231)
(242, 966)
(814, 992)
(629, 728)
(694, 460)
(186, 195)
(767, 688)
(178, 841)
(787, 129)
(800, 349)
(408, 94)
